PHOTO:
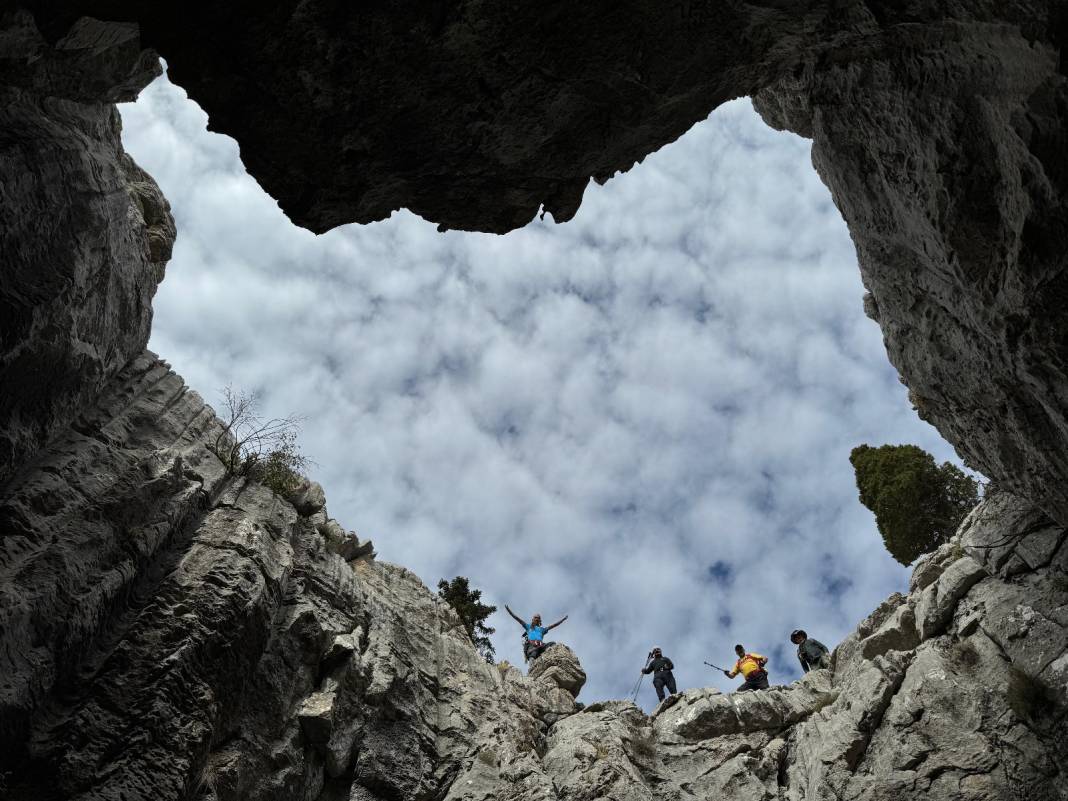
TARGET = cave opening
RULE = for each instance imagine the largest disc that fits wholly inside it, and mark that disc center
(640, 418)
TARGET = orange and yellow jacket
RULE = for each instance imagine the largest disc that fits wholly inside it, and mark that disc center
(750, 663)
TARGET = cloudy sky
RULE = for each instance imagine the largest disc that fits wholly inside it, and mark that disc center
(641, 418)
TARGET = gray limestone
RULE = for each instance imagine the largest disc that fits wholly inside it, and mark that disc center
(945, 150)
(84, 232)
(168, 631)
(218, 646)
(941, 129)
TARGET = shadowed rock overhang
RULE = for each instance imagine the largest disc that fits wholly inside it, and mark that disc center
(940, 128)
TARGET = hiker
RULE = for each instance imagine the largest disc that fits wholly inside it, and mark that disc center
(534, 634)
(812, 654)
(660, 666)
(751, 666)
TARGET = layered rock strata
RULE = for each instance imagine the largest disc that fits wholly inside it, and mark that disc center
(84, 232)
(168, 631)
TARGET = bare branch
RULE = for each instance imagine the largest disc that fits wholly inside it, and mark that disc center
(249, 445)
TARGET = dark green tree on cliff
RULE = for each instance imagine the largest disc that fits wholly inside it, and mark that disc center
(473, 613)
(917, 503)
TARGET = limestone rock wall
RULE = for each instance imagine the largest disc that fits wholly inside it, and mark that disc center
(84, 232)
(168, 631)
(958, 690)
(940, 128)
(947, 153)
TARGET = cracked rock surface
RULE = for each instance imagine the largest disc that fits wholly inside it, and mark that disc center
(84, 232)
(946, 151)
(168, 631)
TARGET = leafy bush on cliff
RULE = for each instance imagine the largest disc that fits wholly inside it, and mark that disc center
(917, 503)
(281, 470)
(264, 450)
(473, 613)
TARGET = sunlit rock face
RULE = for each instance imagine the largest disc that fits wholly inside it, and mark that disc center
(962, 697)
(168, 631)
(947, 153)
(171, 631)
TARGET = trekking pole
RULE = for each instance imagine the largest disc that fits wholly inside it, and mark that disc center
(638, 684)
(717, 667)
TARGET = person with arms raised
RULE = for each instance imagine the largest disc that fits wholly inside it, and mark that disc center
(534, 634)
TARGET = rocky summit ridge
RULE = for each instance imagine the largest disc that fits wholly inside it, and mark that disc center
(170, 631)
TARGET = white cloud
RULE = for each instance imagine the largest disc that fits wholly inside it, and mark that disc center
(582, 418)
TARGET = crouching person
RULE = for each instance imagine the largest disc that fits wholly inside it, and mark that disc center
(812, 654)
(660, 666)
(751, 666)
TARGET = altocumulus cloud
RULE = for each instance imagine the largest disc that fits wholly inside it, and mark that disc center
(641, 418)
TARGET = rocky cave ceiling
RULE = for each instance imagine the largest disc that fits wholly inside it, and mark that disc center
(940, 128)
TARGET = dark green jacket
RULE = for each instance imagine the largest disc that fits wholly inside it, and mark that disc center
(659, 665)
(812, 654)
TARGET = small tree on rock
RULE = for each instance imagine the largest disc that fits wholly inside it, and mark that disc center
(263, 449)
(918, 505)
(473, 613)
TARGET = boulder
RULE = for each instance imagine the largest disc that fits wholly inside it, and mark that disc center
(1010, 535)
(597, 754)
(937, 603)
(897, 633)
(308, 498)
(559, 666)
(930, 566)
(703, 714)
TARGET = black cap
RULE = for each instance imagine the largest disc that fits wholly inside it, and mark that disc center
(797, 633)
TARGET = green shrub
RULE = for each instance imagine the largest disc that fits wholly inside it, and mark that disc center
(280, 470)
(264, 450)
(917, 503)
